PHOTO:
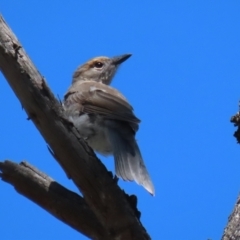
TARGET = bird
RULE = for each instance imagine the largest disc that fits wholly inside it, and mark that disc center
(105, 119)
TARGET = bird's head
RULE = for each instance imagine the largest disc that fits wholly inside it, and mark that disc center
(99, 69)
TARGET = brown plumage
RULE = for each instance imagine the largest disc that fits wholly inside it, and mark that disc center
(105, 119)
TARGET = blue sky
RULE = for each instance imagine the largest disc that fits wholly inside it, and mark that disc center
(183, 82)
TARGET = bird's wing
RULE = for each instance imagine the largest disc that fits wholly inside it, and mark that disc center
(98, 98)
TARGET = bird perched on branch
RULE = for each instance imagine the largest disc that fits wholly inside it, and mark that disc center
(105, 119)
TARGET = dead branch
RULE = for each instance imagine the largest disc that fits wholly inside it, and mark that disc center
(51, 196)
(232, 230)
(101, 193)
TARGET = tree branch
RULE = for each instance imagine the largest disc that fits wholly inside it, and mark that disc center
(51, 196)
(236, 121)
(231, 232)
(100, 191)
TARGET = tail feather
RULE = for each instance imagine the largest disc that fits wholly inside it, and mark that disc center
(129, 164)
(121, 168)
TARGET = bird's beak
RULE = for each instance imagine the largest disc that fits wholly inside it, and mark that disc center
(120, 59)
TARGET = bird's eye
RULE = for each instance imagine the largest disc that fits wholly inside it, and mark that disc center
(98, 65)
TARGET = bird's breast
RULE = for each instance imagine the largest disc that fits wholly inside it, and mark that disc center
(91, 127)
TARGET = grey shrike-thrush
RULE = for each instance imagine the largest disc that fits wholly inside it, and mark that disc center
(105, 119)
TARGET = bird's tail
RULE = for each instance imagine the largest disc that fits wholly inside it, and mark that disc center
(129, 164)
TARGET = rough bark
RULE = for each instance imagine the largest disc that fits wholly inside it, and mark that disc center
(232, 230)
(65, 205)
(100, 191)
